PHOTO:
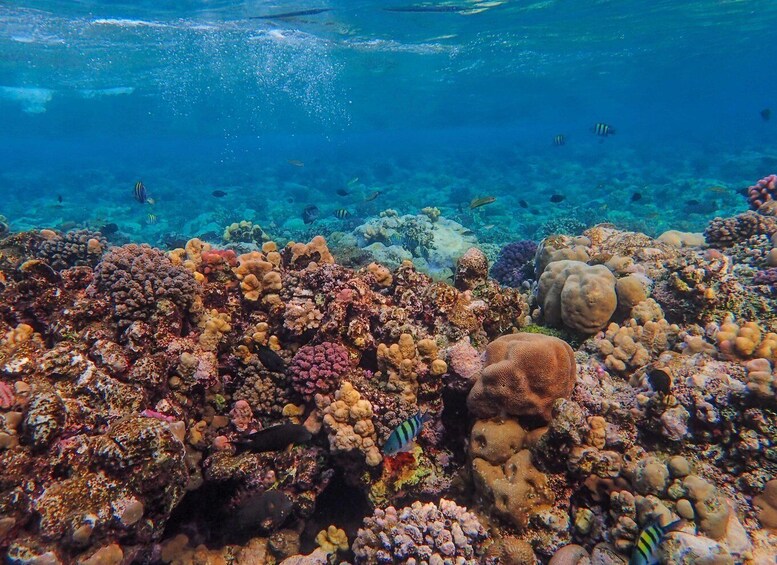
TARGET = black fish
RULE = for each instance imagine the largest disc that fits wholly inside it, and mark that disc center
(311, 12)
(271, 360)
(556, 198)
(603, 130)
(427, 9)
(766, 114)
(636, 197)
(342, 213)
(266, 510)
(275, 438)
(59, 198)
(140, 192)
(342, 192)
(310, 214)
(523, 204)
(660, 380)
(559, 139)
(109, 229)
(219, 193)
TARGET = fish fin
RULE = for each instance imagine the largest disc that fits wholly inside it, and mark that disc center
(674, 526)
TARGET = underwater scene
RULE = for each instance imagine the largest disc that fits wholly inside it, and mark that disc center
(425, 282)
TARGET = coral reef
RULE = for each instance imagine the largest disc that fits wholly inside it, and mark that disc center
(515, 263)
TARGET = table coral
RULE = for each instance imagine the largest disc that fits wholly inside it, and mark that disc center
(523, 375)
(420, 533)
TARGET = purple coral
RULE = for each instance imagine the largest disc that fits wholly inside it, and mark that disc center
(318, 368)
(138, 277)
(421, 533)
(767, 276)
(514, 264)
(762, 191)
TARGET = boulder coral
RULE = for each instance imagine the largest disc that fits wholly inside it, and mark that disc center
(576, 295)
(524, 374)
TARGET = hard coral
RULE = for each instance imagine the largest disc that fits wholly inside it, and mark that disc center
(471, 269)
(319, 368)
(349, 421)
(523, 375)
(580, 296)
(139, 279)
(765, 190)
(515, 263)
(406, 363)
(420, 533)
(71, 249)
(725, 232)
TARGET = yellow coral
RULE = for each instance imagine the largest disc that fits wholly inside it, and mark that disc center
(382, 274)
(215, 324)
(332, 540)
(400, 363)
(745, 341)
(316, 251)
(17, 336)
(348, 418)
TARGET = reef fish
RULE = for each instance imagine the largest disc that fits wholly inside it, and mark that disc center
(649, 539)
(445, 9)
(310, 214)
(266, 510)
(342, 213)
(603, 130)
(140, 192)
(482, 201)
(556, 198)
(636, 197)
(271, 360)
(296, 163)
(372, 196)
(312, 12)
(560, 139)
(766, 114)
(404, 433)
(219, 193)
(275, 438)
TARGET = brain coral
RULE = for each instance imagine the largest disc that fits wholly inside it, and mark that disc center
(318, 368)
(524, 375)
(580, 296)
(421, 533)
(138, 277)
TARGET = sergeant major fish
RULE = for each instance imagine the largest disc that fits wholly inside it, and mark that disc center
(603, 129)
(649, 539)
(405, 433)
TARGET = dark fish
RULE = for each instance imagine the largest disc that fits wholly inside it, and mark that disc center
(312, 12)
(559, 139)
(636, 197)
(482, 201)
(692, 203)
(404, 433)
(603, 130)
(140, 192)
(523, 204)
(275, 438)
(766, 114)
(342, 192)
(427, 9)
(109, 229)
(271, 360)
(660, 380)
(219, 193)
(342, 213)
(266, 510)
(556, 198)
(310, 214)
(59, 198)
(647, 544)
(372, 196)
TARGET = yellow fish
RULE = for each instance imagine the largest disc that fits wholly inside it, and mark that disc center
(482, 201)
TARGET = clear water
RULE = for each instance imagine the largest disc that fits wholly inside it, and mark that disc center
(432, 109)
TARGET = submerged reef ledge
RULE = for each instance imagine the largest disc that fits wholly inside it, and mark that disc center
(204, 406)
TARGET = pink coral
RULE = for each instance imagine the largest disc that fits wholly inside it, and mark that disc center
(464, 359)
(762, 191)
(7, 397)
(318, 368)
(241, 415)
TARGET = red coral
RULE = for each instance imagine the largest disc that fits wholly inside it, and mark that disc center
(318, 368)
(7, 398)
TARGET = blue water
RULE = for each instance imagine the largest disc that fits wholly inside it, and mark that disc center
(431, 109)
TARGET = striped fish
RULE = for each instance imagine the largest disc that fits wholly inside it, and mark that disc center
(342, 213)
(140, 192)
(560, 139)
(649, 539)
(603, 129)
(404, 433)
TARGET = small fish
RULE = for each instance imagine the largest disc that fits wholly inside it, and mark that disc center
(427, 9)
(603, 130)
(151, 219)
(718, 189)
(660, 380)
(342, 192)
(150, 201)
(482, 201)
(556, 198)
(404, 433)
(649, 539)
(766, 114)
(636, 197)
(109, 229)
(372, 196)
(271, 360)
(219, 193)
(342, 213)
(140, 192)
(310, 214)
(266, 510)
(560, 139)
(523, 204)
(489, 227)
(353, 181)
(59, 198)
(296, 163)
(275, 438)
(313, 12)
